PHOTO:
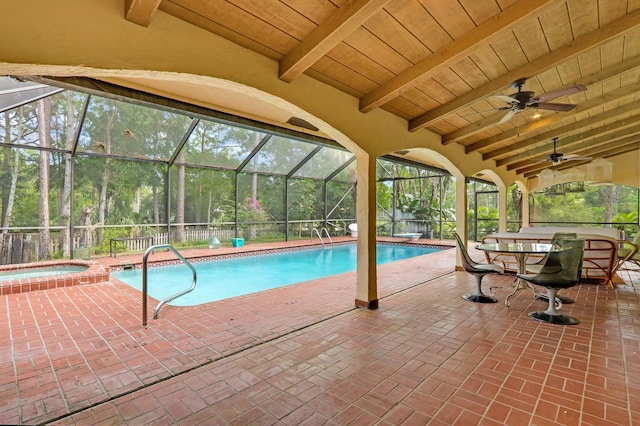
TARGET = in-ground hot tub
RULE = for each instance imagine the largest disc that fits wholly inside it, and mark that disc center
(20, 278)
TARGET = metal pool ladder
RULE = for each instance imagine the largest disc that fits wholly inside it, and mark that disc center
(314, 230)
(319, 234)
(326, 231)
(144, 280)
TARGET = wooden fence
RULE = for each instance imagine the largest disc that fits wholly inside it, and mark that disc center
(22, 247)
(19, 247)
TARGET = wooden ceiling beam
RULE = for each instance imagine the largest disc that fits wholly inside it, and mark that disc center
(536, 66)
(530, 127)
(513, 133)
(589, 121)
(587, 151)
(622, 149)
(140, 11)
(521, 160)
(525, 159)
(473, 128)
(587, 147)
(596, 78)
(568, 141)
(450, 54)
(327, 35)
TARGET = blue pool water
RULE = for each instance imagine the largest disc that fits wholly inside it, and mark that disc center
(40, 272)
(221, 279)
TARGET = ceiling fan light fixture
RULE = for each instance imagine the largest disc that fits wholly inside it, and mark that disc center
(523, 99)
(556, 158)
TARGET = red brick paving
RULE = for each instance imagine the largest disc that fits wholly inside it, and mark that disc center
(303, 355)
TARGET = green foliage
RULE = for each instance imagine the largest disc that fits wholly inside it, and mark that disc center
(120, 171)
(598, 204)
(250, 210)
(341, 200)
(304, 199)
(192, 244)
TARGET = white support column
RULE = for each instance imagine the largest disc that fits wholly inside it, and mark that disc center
(366, 275)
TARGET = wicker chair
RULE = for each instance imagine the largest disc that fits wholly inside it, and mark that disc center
(629, 253)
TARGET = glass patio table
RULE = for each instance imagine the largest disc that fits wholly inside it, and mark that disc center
(520, 251)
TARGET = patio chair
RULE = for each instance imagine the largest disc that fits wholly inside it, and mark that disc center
(629, 253)
(562, 269)
(534, 268)
(353, 229)
(478, 270)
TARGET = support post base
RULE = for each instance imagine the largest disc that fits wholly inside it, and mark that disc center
(371, 304)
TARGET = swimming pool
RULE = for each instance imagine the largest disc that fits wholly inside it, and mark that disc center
(230, 277)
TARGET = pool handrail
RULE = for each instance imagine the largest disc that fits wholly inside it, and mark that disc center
(144, 280)
(326, 231)
(318, 234)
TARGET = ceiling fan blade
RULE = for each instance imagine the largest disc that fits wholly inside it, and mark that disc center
(560, 92)
(507, 117)
(505, 98)
(553, 106)
(575, 157)
(486, 111)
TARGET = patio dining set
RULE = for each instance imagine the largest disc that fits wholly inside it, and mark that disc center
(554, 265)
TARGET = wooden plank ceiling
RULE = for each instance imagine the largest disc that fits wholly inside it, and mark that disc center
(439, 64)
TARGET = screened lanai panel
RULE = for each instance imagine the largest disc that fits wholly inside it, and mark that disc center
(395, 169)
(261, 198)
(208, 195)
(399, 170)
(219, 145)
(323, 163)
(348, 174)
(131, 204)
(129, 130)
(279, 156)
(61, 112)
(20, 176)
(341, 200)
(384, 169)
(14, 93)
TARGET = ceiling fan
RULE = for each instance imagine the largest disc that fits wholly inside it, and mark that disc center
(521, 100)
(557, 158)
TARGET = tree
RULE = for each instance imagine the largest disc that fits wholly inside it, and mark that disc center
(12, 156)
(180, 197)
(44, 128)
(64, 200)
(10, 164)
